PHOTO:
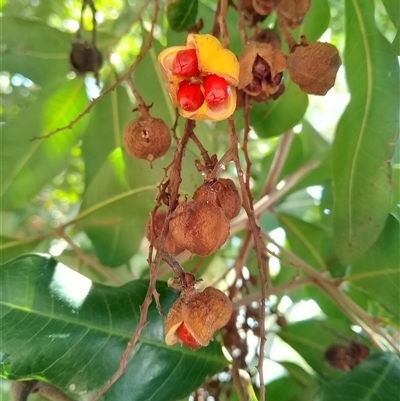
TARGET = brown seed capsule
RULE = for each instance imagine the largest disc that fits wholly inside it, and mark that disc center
(199, 226)
(147, 138)
(84, 58)
(195, 316)
(261, 69)
(338, 357)
(293, 11)
(223, 191)
(314, 67)
(158, 224)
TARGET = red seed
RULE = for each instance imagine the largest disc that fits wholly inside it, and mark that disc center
(190, 96)
(184, 334)
(216, 90)
(185, 63)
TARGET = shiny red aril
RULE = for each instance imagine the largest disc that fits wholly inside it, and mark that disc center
(216, 90)
(185, 63)
(184, 334)
(190, 96)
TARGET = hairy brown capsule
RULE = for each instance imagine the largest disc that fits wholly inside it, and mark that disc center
(85, 58)
(195, 316)
(223, 191)
(147, 138)
(293, 11)
(201, 227)
(158, 224)
(314, 67)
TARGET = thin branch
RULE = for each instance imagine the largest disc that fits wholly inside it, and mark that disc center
(258, 245)
(223, 10)
(278, 162)
(145, 48)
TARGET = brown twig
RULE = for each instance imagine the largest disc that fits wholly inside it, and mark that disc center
(258, 245)
(145, 48)
(223, 10)
(203, 151)
(283, 28)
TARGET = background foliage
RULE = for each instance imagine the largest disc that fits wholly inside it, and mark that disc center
(79, 197)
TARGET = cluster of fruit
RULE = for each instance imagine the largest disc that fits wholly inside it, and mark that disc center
(201, 225)
(201, 78)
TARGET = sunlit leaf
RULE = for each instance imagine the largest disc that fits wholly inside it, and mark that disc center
(365, 136)
(28, 165)
(60, 327)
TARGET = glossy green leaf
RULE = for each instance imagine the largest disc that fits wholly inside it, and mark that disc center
(31, 47)
(12, 247)
(277, 116)
(374, 379)
(28, 165)
(310, 338)
(105, 128)
(365, 136)
(181, 14)
(59, 326)
(378, 271)
(114, 215)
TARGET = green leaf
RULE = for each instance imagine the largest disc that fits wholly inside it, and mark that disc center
(374, 379)
(365, 136)
(277, 116)
(28, 165)
(310, 338)
(393, 11)
(378, 271)
(12, 247)
(114, 215)
(35, 50)
(316, 21)
(105, 127)
(181, 14)
(60, 327)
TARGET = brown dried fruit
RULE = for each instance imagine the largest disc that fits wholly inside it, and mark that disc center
(158, 224)
(223, 191)
(263, 7)
(293, 11)
(147, 138)
(314, 67)
(195, 316)
(199, 226)
(344, 358)
(267, 36)
(261, 69)
(84, 58)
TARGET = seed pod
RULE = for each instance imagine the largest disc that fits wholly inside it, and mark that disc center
(195, 316)
(158, 224)
(223, 191)
(314, 67)
(267, 36)
(147, 138)
(293, 11)
(261, 69)
(84, 58)
(338, 357)
(199, 226)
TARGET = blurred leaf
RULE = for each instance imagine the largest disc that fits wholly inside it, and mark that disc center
(365, 135)
(316, 21)
(105, 128)
(150, 85)
(28, 165)
(114, 215)
(378, 271)
(34, 50)
(393, 11)
(277, 116)
(13, 247)
(374, 379)
(301, 376)
(181, 14)
(310, 338)
(60, 327)
(282, 389)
